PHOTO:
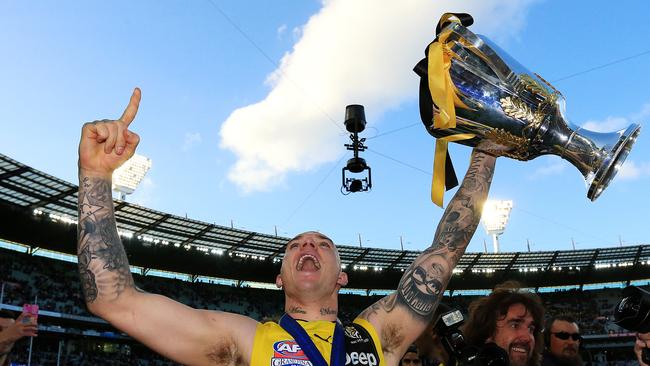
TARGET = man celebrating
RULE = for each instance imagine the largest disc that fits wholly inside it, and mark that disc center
(311, 276)
(511, 319)
(562, 338)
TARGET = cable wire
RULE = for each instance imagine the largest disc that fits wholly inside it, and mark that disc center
(314, 190)
(278, 68)
(601, 66)
(395, 130)
(399, 161)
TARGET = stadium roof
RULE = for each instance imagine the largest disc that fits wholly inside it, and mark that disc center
(25, 188)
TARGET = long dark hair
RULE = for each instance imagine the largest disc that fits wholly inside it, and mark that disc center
(486, 311)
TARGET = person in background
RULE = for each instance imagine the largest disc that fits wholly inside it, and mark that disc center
(512, 319)
(411, 357)
(12, 330)
(432, 351)
(562, 341)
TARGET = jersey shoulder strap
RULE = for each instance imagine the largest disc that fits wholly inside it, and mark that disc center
(362, 345)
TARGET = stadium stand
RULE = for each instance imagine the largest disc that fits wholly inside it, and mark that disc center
(53, 284)
(199, 264)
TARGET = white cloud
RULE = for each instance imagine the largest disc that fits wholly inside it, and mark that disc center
(615, 123)
(552, 168)
(351, 51)
(297, 33)
(642, 115)
(609, 124)
(631, 170)
(281, 30)
(191, 139)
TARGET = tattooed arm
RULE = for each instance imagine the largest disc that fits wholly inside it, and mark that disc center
(399, 318)
(186, 335)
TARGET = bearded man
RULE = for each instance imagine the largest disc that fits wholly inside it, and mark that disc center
(510, 318)
(562, 337)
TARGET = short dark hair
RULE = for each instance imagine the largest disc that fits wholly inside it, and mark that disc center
(564, 318)
(484, 313)
(412, 348)
(6, 314)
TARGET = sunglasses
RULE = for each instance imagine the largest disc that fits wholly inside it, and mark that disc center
(565, 335)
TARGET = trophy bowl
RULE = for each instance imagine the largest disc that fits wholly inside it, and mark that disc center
(504, 102)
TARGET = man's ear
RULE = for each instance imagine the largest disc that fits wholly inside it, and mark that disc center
(278, 281)
(343, 279)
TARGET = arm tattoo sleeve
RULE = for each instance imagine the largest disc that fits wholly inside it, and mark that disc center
(103, 265)
(424, 282)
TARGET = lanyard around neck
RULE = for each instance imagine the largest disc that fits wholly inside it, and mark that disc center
(337, 357)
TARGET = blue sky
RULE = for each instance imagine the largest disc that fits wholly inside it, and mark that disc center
(243, 104)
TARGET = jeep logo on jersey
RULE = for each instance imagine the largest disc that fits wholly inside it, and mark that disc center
(361, 358)
(288, 349)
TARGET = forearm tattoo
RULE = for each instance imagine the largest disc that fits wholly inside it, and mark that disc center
(424, 282)
(103, 265)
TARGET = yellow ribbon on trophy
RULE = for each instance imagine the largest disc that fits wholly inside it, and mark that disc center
(438, 180)
(445, 97)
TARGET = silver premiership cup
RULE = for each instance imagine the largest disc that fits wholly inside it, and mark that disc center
(515, 107)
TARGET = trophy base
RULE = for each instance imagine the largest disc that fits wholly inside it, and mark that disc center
(601, 177)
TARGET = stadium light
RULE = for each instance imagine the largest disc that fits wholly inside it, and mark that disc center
(495, 218)
(127, 177)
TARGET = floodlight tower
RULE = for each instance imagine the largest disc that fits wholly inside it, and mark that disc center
(495, 218)
(127, 177)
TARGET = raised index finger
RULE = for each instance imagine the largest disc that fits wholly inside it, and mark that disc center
(132, 109)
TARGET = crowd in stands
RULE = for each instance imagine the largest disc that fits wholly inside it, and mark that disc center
(85, 353)
(594, 314)
(55, 286)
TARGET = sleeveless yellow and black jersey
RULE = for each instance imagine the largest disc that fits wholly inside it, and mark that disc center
(273, 346)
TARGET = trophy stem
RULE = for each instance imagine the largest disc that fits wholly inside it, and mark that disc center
(599, 156)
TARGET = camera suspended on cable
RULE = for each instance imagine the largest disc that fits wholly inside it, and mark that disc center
(355, 122)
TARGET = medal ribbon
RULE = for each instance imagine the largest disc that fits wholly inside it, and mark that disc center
(337, 357)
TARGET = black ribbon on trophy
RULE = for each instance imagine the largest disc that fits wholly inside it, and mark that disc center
(471, 90)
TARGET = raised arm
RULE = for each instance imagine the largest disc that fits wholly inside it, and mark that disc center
(186, 335)
(401, 317)
(11, 331)
(640, 344)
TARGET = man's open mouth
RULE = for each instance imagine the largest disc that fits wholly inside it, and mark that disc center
(308, 262)
(520, 348)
